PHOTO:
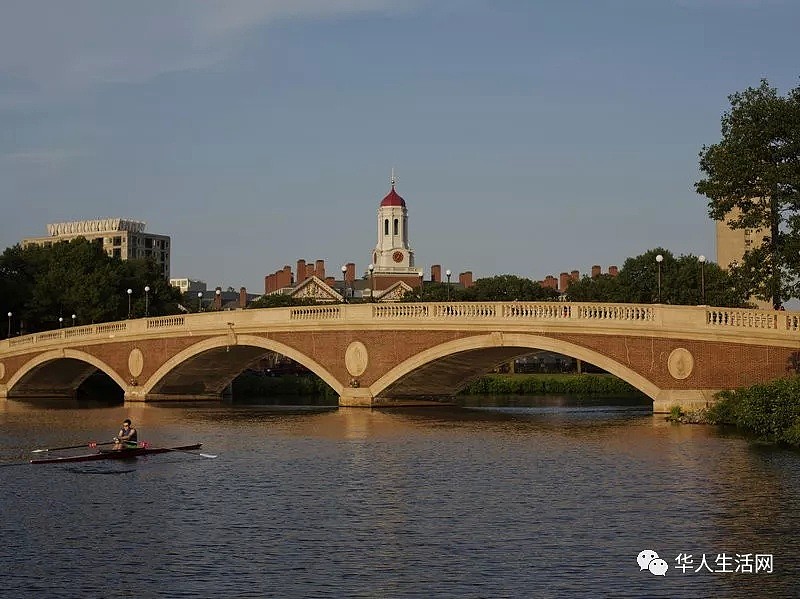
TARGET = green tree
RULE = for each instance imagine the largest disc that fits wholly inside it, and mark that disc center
(506, 288)
(278, 300)
(752, 181)
(682, 282)
(603, 288)
(42, 284)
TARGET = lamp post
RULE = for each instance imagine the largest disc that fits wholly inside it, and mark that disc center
(199, 301)
(421, 277)
(447, 274)
(702, 260)
(344, 283)
(129, 301)
(371, 268)
(60, 322)
(9, 325)
(74, 316)
(146, 301)
(218, 300)
(659, 259)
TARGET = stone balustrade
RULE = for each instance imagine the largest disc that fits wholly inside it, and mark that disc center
(648, 317)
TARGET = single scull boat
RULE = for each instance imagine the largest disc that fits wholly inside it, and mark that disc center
(116, 454)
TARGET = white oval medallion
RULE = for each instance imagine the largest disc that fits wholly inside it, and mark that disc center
(356, 358)
(135, 362)
(680, 363)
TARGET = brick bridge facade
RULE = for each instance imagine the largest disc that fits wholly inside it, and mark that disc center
(386, 355)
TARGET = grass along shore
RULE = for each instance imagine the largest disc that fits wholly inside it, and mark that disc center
(252, 385)
(584, 385)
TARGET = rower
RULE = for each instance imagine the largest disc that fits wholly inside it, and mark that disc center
(126, 437)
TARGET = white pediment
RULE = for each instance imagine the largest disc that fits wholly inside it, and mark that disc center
(316, 289)
(395, 293)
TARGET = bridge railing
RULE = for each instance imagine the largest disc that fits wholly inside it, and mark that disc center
(634, 317)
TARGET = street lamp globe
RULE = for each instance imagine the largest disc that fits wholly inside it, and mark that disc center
(60, 321)
(74, 316)
(129, 301)
(659, 259)
(146, 301)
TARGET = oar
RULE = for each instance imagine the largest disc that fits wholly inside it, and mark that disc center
(87, 444)
(190, 452)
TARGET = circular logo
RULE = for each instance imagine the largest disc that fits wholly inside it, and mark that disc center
(680, 363)
(397, 256)
(356, 358)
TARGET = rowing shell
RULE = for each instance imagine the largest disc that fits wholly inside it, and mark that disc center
(116, 454)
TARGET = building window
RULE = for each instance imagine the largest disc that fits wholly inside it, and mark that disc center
(396, 226)
(386, 227)
(117, 253)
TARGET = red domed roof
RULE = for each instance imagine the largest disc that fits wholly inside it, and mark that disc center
(393, 199)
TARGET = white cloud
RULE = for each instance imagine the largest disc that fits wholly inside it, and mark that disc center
(60, 46)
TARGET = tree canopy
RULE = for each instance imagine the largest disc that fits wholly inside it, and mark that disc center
(40, 284)
(684, 281)
(752, 181)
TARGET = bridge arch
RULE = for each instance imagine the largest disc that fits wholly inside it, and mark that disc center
(511, 341)
(68, 386)
(227, 344)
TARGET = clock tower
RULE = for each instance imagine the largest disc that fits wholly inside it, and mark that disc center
(393, 258)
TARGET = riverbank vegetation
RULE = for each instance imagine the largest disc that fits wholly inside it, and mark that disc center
(252, 384)
(255, 385)
(551, 384)
(769, 411)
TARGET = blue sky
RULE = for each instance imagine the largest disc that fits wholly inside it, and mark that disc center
(529, 137)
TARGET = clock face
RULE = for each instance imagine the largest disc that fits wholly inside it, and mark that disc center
(397, 256)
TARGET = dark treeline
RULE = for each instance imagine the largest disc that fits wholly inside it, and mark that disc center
(40, 284)
(684, 280)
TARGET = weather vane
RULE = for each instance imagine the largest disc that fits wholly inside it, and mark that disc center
(393, 179)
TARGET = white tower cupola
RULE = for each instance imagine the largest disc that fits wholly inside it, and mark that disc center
(392, 253)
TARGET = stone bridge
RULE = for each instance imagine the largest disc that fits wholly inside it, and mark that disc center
(401, 354)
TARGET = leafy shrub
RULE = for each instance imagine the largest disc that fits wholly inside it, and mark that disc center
(544, 384)
(771, 411)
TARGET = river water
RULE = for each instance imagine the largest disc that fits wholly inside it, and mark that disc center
(552, 500)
